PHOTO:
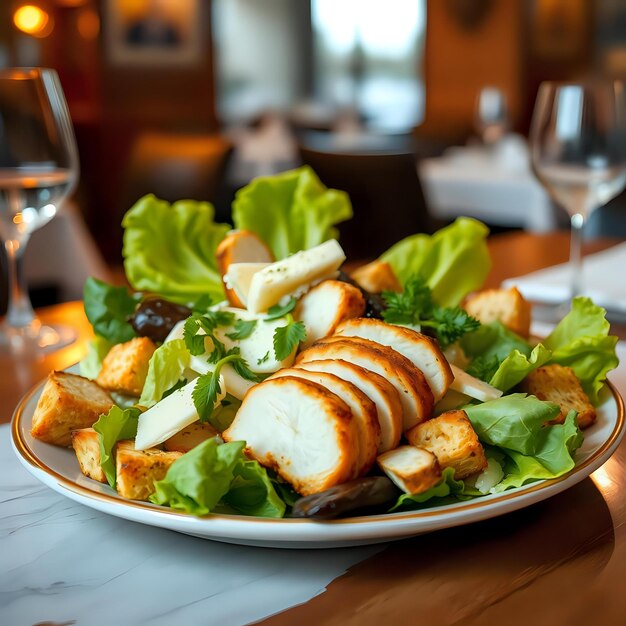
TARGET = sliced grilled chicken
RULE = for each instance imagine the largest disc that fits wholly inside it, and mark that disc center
(384, 395)
(363, 411)
(413, 469)
(421, 350)
(299, 428)
(325, 306)
(415, 394)
(240, 246)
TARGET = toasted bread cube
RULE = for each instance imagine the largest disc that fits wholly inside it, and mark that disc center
(559, 384)
(87, 448)
(504, 305)
(68, 402)
(190, 437)
(125, 367)
(413, 469)
(138, 470)
(376, 276)
(451, 438)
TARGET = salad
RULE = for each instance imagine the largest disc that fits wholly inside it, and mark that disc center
(246, 373)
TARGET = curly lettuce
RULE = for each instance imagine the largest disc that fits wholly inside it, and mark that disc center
(169, 250)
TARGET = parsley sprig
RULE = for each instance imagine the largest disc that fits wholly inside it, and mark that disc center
(208, 387)
(208, 323)
(243, 329)
(276, 311)
(415, 307)
(287, 337)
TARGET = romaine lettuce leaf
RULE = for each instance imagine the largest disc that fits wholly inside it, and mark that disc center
(91, 364)
(553, 458)
(112, 427)
(515, 422)
(165, 369)
(291, 211)
(252, 492)
(517, 366)
(170, 250)
(108, 309)
(202, 478)
(453, 261)
(494, 339)
(581, 341)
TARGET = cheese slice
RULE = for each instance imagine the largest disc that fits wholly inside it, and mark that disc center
(293, 275)
(170, 416)
(238, 277)
(473, 387)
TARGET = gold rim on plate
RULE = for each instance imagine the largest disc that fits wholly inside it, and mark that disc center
(29, 455)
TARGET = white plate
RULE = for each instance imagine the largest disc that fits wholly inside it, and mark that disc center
(58, 469)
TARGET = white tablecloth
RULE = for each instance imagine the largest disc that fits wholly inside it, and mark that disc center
(470, 182)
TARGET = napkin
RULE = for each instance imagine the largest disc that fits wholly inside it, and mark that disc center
(604, 280)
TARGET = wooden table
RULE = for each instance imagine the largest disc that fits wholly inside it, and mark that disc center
(562, 561)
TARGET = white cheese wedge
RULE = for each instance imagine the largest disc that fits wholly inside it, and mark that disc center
(239, 277)
(473, 387)
(169, 416)
(230, 381)
(293, 275)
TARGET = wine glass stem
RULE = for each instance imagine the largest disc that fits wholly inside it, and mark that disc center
(576, 258)
(20, 311)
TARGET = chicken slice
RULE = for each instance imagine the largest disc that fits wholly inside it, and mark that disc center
(240, 246)
(325, 306)
(421, 350)
(414, 470)
(363, 411)
(415, 394)
(303, 431)
(378, 389)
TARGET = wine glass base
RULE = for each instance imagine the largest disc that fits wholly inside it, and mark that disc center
(35, 339)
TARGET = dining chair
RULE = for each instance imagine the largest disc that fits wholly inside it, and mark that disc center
(176, 166)
(384, 188)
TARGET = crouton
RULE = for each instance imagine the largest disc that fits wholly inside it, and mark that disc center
(504, 305)
(376, 276)
(451, 438)
(125, 367)
(189, 437)
(68, 402)
(413, 469)
(138, 470)
(87, 448)
(560, 385)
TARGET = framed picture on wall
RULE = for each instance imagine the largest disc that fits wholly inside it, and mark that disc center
(153, 32)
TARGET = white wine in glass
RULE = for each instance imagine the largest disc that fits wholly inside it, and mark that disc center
(38, 170)
(578, 152)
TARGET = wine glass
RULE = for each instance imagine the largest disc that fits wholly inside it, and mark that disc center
(578, 152)
(38, 170)
(491, 117)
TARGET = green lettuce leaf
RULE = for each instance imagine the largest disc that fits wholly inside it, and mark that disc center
(211, 474)
(252, 492)
(91, 364)
(291, 211)
(170, 250)
(553, 458)
(581, 341)
(517, 366)
(515, 422)
(446, 487)
(165, 369)
(198, 480)
(112, 427)
(108, 309)
(453, 261)
(494, 340)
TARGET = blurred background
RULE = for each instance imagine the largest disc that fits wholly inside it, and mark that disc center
(420, 109)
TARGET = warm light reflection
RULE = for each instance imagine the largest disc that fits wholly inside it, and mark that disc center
(88, 24)
(602, 479)
(32, 20)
